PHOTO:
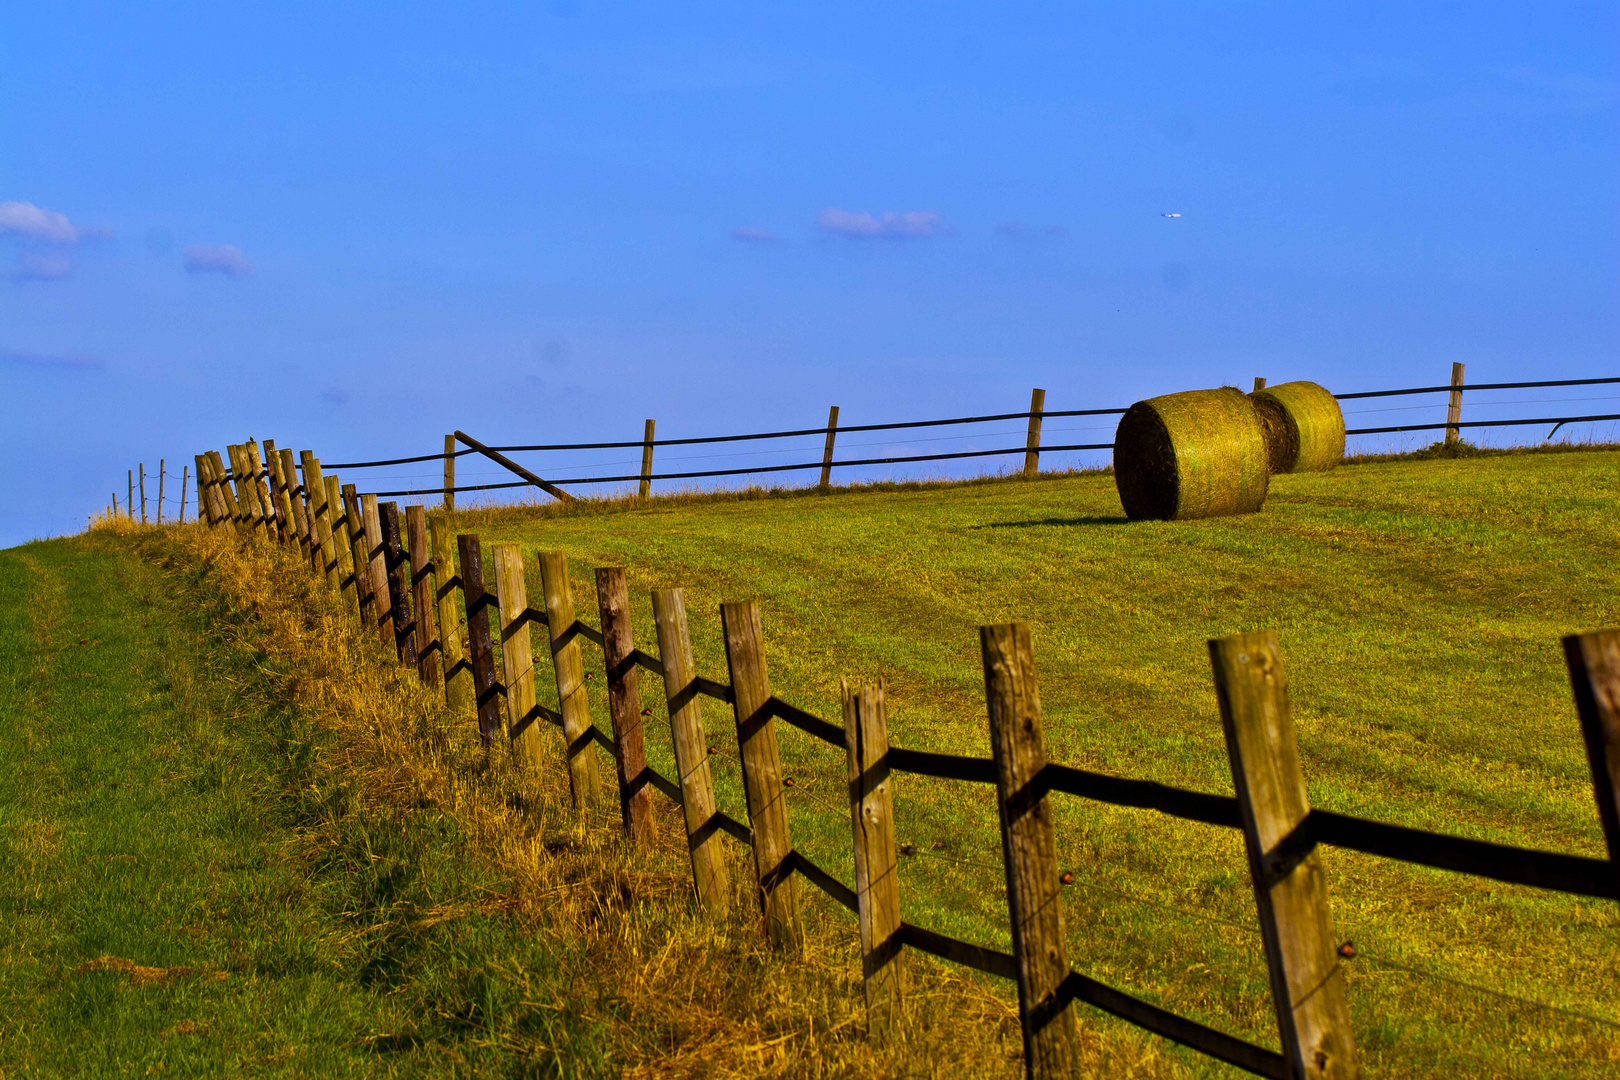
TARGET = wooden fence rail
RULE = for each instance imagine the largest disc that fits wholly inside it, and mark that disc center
(366, 562)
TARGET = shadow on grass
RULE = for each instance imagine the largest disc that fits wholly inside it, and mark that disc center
(1112, 519)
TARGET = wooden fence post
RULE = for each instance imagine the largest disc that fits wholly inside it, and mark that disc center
(646, 457)
(470, 569)
(143, 493)
(359, 556)
(762, 773)
(517, 653)
(449, 475)
(223, 487)
(295, 497)
(827, 451)
(261, 490)
(458, 694)
(1029, 850)
(185, 477)
(342, 548)
(246, 497)
(877, 882)
(1307, 986)
(1259, 384)
(427, 631)
(1032, 441)
(320, 521)
(710, 875)
(162, 463)
(272, 475)
(1454, 406)
(205, 502)
(399, 589)
(1594, 675)
(129, 496)
(624, 703)
(572, 700)
(382, 606)
(233, 487)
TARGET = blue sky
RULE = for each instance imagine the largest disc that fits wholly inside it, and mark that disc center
(357, 227)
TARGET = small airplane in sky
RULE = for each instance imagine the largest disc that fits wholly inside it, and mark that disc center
(1169, 215)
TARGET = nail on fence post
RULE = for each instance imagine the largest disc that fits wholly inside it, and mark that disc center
(877, 882)
(295, 498)
(711, 877)
(624, 703)
(261, 490)
(359, 556)
(572, 700)
(342, 549)
(382, 606)
(427, 631)
(185, 478)
(1594, 675)
(1454, 406)
(458, 693)
(162, 463)
(762, 773)
(471, 571)
(399, 589)
(517, 653)
(1029, 850)
(1032, 441)
(320, 520)
(449, 473)
(827, 451)
(1259, 384)
(646, 458)
(1296, 927)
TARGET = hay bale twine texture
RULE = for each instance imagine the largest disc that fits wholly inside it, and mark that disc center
(1303, 424)
(1191, 455)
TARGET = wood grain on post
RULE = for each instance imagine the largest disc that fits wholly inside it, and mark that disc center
(458, 691)
(342, 548)
(449, 477)
(1594, 675)
(827, 451)
(143, 493)
(247, 497)
(517, 653)
(1307, 986)
(223, 487)
(205, 502)
(382, 606)
(573, 701)
(261, 490)
(1259, 384)
(646, 458)
(295, 497)
(624, 703)
(272, 475)
(399, 586)
(245, 515)
(1454, 406)
(1028, 849)
(162, 462)
(710, 875)
(320, 520)
(762, 773)
(185, 476)
(1032, 441)
(470, 568)
(129, 496)
(427, 630)
(359, 556)
(877, 882)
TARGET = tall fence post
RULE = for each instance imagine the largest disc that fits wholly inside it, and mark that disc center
(359, 555)
(223, 487)
(458, 694)
(1029, 850)
(1032, 441)
(295, 498)
(143, 493)
(382, 606)
(246, 497)
(827, 450)
(762, 773)
(1307, 985)
(205, 502)
(129, 496)
(710, 875)
(572, 700)
(325, 560)
(449, 474)
(342, 545)
(162, 462)
(624, 703)
(272, 471)
(1594, 675)
(470, 568)
(877, 882)
(517, 654)
(1454, 406)
(261, 490)
(427, 631)
(646, 457)
(399, 590)
(185, 476)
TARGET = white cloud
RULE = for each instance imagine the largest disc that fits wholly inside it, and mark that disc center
(750, 235)
(43, 265)
(904, 225)
(216, 259)
(28, 220)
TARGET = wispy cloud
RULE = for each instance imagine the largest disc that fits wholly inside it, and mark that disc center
(891, 225)
(1014, 230)
(42, 265)
(43, 361)
(223, 259)
(37, 224)
(750, 235)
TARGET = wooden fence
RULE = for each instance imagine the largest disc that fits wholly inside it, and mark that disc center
(402, 585)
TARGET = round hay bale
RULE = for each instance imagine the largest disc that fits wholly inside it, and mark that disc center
(1303, 424)
(1191, 455)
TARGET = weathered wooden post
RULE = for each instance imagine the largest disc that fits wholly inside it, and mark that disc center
(296, 500)
(1259, 384)
(382, 607)
(517, 653)
(624, 703)
(1454, 406)
(205, 493)
(143, 493)
(162, 464)
(1307, 985)
(471, 571)
(129, 497)
(827, 450)
(399, 589)
(1032, 441)
(359, 556)
(710, 875)
(1594, 675)
(449, 475)
(261, 490)
(877, 882)
(458, 691)
(342, 547)
(427, 631)
(185, 477)
(646, 458)
(1029, 850)
(325, 560)
(762, 773)
(223, 487)
(572, 700)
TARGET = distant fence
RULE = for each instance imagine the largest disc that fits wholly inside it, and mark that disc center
(413, 592)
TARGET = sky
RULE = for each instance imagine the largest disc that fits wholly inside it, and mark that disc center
(354, 228)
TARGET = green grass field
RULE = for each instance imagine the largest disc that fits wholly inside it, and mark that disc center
(173, 803)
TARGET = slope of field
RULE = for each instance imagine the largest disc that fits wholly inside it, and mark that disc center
(1419, 606)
